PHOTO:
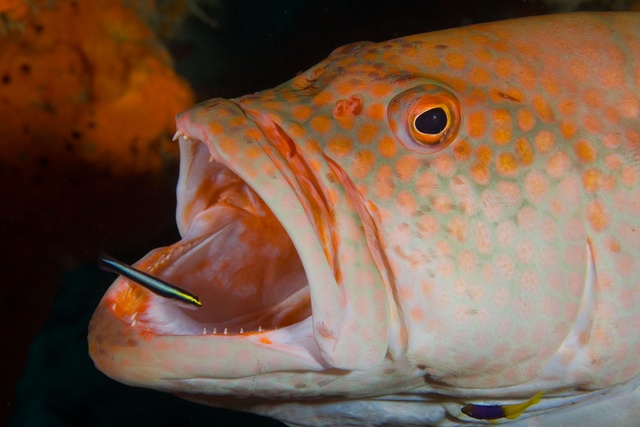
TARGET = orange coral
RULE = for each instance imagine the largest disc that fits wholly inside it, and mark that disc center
(86, 80)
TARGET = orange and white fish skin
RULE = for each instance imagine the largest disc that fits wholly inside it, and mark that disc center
(405, 228)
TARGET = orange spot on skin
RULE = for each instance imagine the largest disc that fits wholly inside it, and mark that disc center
(428, 225)
(613, 245)
(592, 98)
(630, 106)
(363, 163)
(526, 121)
(458, 228)
(216, 128)
(265, 340)
(543, 109)
(297, 131)
(592, 180)
(484, 155)
(612, 115)
(229, 146)
(545, 140)
(479, 76)
(613, 161)
(387, 147)
(456, 61)
(445, 165)
(536, 185)
(253, 152)
(301, 112)
(524, 152)
(476, 97)
(598, 216)
(567, 107)
(380, 89)
(427, 183)
(528, 78)
(383, 185)
(592, 123)
(442, 204)
(407, 202)
(480, 174)
(321, 124)
(609, 183)
(406, 167)
(550, 84)
(612, 140)
(506, 164)
(462, 151)
(568, 129)
(323, 98)
(376, 111)
(585, 151)
(504, 66)
(476, 124)
(238, 121)
(579, 70)
(340, 145)
(366, 132)
(417, 314)
(348, 86)
(558, 164)
(629, 176)
(502, 127)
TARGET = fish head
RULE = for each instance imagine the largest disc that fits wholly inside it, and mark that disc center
(390, 217)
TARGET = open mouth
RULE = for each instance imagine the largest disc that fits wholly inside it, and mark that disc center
(277, 242)
(234, 255)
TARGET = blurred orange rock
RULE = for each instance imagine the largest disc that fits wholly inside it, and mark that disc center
(88, 81)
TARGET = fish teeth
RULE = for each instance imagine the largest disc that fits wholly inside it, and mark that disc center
(177, 135)
(229, 331)
(180, 134)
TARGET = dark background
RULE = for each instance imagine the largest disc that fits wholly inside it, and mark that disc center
(49, 243)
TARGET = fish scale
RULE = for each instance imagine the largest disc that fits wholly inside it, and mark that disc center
(487, 261)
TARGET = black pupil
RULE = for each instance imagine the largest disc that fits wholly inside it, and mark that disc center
(432, 121)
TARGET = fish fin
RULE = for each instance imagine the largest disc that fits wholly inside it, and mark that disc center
(515, 410)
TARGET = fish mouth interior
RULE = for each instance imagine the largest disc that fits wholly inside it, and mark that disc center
(234, 254)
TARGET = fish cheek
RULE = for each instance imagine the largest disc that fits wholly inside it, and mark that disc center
(425, 118)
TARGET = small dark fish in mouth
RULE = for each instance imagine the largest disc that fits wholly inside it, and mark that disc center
(154, 284)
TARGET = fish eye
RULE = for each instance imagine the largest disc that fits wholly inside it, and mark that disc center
(425, 118)
(432, 121)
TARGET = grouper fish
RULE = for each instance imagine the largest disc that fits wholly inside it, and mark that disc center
(441, 229)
